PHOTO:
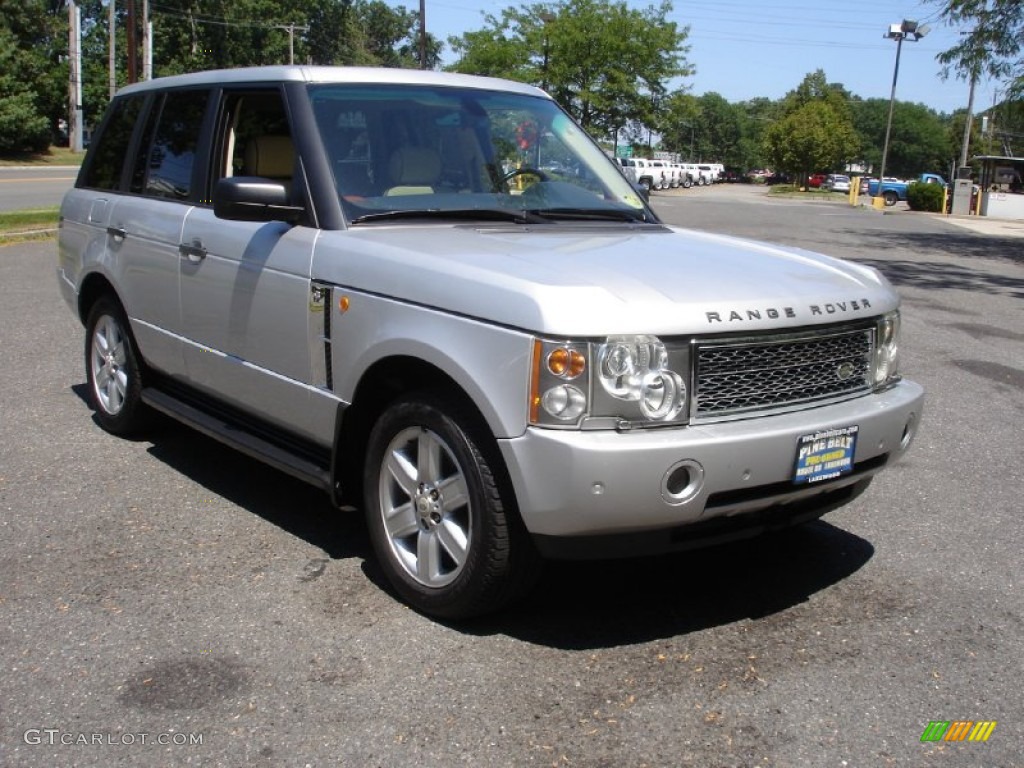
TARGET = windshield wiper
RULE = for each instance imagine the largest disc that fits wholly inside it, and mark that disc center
(589, 214)
(461, 214)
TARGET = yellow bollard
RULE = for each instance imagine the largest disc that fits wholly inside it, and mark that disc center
(878, 203)
(854, 190)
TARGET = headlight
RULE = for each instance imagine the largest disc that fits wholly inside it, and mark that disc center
(636, 369)
(887, 349)
(626, 379)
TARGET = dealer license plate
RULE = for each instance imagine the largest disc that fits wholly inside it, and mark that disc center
(825, 455)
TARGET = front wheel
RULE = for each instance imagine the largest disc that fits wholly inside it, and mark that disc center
(445, 534)
(890, 198)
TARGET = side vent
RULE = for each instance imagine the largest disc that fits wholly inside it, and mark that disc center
(320, 311)
(328, 312)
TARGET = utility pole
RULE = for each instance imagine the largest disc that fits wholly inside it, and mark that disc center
(147, 43)
(423, 34)
(290, 29)
(969, 119)
(75, 77)
(133, 74)
(112, 34)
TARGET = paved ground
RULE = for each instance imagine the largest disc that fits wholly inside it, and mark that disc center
(167, 589)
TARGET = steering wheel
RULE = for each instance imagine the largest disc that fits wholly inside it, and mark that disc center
(525, 171)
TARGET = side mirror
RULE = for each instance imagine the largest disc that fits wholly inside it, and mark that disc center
(643, 191)
(254, 198)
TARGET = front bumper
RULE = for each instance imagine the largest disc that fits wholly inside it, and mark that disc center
(589, 483)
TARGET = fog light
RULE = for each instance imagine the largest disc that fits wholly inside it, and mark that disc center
(909, 430)
(682, 482)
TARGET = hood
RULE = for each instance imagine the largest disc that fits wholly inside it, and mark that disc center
(591, 280)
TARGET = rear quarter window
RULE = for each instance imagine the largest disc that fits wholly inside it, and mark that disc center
(103, 171)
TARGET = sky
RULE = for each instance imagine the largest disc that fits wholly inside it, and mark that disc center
(748, 48)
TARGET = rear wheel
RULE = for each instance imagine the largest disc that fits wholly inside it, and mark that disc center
(113, 368)
(445, 534)
(890, 198)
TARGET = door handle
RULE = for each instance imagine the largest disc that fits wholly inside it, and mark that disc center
(118, 233)
(195, 252)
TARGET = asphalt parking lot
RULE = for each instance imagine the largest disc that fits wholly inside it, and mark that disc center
(166, 601)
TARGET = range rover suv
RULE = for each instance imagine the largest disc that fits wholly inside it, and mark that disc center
(436, 298)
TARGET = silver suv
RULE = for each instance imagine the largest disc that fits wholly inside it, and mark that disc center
(434, 296)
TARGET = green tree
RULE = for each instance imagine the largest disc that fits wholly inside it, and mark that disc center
(920, 140)
(355, 32)
(33, 73)
(756, 115)
(681, 114)
(23, 128)
(815, 131)
(606, 63)
(993, 41)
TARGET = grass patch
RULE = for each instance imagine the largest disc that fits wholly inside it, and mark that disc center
(52, 156)
(811, 193)
(34, 224)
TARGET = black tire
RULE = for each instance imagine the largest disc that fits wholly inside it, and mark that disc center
(890, 198)
(113, 370)
(687, 183)
(453, 545)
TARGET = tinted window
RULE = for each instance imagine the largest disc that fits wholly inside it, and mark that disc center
(173, 152)
(104, 170)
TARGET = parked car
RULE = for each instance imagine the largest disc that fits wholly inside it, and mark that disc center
(671, 175)
(364, 278)
(685, 180)
(705, 175)
(816, 180)
(894, 190)
(836, 182)
(628, 168)
(648, 175)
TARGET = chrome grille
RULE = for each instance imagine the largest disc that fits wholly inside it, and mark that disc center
(777, 372)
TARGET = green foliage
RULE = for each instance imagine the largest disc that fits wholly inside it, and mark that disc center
(605, 62)
(920, 141)
(23, 127)
(925, 197)
(189, 35)
(33, 80)
(992, 42)
(815, 132)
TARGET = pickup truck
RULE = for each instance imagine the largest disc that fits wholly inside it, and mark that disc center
(893, 190)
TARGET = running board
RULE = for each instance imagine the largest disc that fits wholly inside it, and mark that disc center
(232, 435)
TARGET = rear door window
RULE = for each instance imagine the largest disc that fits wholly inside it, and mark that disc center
(165, 165)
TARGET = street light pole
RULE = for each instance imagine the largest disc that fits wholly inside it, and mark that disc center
(546, 17)
(897, 32)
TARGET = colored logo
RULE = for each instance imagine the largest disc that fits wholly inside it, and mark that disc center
(958, 730)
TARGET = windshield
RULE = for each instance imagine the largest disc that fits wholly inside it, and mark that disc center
(399, 150)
